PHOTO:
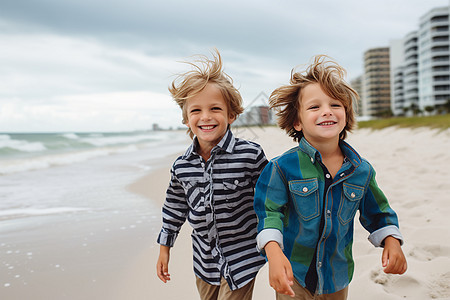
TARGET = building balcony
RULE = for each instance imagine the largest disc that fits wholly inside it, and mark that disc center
(441, 43)
(439, 73)
(439, 62)
(439, 33)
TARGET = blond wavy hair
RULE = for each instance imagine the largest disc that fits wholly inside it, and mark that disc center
(204, 71)
(285, 100)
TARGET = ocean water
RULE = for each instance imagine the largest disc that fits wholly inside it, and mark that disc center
(26, 151)
(68, 173)
(66, 214)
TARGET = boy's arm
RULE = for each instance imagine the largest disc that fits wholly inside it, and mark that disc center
(393, 259)
(382, 223)
(377, 216)
(259, 164)
(271, 197)
(174, 212)
(281, 277)
(162, 265)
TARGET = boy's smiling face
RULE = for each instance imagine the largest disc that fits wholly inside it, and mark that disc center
(208, 116)
(322, 118)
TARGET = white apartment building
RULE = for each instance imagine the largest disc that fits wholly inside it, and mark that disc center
(420, 78)
(434, 58)
(411, 71)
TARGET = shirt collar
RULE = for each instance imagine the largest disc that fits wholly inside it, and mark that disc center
(226, 144)
(350, 153)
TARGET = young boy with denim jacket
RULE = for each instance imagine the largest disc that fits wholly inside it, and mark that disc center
(306, 199)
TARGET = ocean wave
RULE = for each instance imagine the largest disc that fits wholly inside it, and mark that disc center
(38, 211)
(21, 152)
(43, 162)
(101, 141)
(6, 142)
(70, 136)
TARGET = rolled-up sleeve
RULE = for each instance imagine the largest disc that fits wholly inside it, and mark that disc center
(377, 237)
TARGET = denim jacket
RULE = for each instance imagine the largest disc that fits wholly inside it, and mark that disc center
(290, 200)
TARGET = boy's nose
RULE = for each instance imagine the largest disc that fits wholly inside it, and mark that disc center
(205, 116)
(327, 111)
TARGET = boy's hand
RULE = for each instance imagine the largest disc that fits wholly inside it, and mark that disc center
(393, 259)
(162, 265)
(281, 277)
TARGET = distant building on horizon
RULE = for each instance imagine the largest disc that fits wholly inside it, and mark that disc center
(357, 85)
(376, 82)
(256, 115)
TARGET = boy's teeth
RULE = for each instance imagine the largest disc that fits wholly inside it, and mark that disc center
(207, 127)
(327, 123)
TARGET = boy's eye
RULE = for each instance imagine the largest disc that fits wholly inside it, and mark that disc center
(195, 110)
(336, 105)
(216, 108)
(314, 107)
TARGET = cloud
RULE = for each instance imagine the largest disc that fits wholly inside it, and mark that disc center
(90, 112)
(33, 65)
(95, 64)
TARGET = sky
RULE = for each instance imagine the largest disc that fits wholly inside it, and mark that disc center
(105, 65)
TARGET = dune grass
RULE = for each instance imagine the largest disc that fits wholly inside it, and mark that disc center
(438, 121)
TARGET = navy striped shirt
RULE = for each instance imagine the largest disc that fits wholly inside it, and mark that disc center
(216, 197)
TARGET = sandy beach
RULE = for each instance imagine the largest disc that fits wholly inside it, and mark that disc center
(89, 259)
(412, 166)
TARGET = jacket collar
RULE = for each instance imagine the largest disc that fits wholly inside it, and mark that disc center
(351, 155)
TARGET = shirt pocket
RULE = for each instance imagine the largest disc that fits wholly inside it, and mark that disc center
(305, 195)
(195, 195)
(235, 189)
(352, 195)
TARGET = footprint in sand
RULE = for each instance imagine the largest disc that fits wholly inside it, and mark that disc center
(429, 252)
(404, 285)
(437, 286)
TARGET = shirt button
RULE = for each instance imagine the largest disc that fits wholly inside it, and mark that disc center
(352, 195)
(342, 174)
(236, 182)
(312, 160)
(305, 189)
(328, 213)
(319, 264)
(328, 176)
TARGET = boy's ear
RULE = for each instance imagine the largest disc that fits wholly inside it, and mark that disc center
(298, 126)
(231, 119)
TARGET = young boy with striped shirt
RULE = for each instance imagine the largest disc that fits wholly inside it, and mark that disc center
(306, 199)
(212, 185)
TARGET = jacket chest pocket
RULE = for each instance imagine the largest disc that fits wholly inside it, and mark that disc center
(235, 189)
(195, 195)
(351, 197)
(305, 195)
